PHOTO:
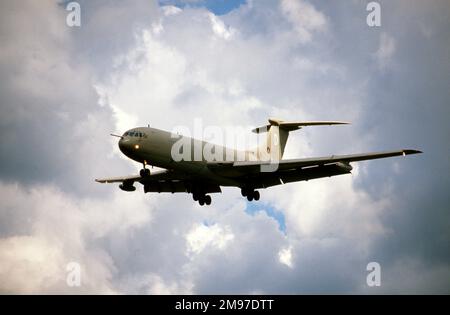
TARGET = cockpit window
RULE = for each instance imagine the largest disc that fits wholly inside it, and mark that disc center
(135, 134)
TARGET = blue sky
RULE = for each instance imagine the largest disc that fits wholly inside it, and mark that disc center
(256, 207)
(218, 7)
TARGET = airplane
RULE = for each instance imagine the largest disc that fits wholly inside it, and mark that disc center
(201, 177)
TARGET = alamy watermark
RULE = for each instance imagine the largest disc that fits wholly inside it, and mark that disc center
(73, 278)
(374, 17)
(373, 278)
(227, 144)
(74, 16)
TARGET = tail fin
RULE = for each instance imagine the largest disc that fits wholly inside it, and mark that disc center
(278, 133)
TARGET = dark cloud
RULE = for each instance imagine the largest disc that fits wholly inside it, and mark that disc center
(51, 117)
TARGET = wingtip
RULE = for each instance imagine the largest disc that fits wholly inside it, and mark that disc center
(342, 123)
(410, 151)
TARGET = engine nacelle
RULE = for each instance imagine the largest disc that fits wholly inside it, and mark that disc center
(127, 187)
(345, 166)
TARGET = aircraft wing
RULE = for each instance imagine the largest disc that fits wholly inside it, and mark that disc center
(119, 179)
(318, 161)
(164, 181)
(252, 172)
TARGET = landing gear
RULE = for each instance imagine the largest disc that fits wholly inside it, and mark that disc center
(145, 171)
(202, 199)
(250, 194)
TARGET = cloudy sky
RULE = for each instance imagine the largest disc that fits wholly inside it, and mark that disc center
(64, 89)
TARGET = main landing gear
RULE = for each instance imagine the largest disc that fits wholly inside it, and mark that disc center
(202, 199)
(251, 194)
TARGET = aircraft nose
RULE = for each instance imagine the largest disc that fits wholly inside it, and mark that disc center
(124, 145)
(128, 146)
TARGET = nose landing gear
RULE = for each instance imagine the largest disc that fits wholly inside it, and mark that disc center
(145, 171)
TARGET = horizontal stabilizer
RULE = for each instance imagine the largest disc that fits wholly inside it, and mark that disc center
(291, 125)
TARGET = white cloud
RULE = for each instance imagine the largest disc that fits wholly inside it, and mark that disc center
(202, 236)
(219, 28)
(29, 264)
(285, 256)
(59, 230)
(169, 10)
(304, 18)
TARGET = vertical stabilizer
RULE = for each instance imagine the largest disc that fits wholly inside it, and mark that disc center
(277, 134)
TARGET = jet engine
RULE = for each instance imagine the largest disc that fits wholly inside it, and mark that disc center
(127, 187)
(345, 166)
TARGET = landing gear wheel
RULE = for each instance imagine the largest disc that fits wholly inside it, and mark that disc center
(207, 200)
(201, 202)
(195, 197)
(244, 192)
(250, 194)
(144, 172)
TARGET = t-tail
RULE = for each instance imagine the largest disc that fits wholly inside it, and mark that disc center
(277, 135)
